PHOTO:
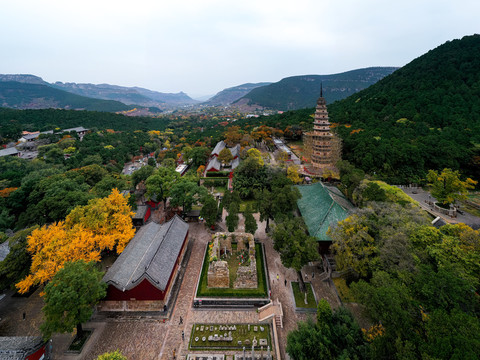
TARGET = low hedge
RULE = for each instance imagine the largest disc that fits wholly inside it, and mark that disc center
(217, 182)
(218, 174)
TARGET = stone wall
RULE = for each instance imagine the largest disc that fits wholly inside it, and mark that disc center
(247, 276)
(218, 275)
(131, 305)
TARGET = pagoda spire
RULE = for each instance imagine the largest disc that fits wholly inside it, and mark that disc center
(321, 89)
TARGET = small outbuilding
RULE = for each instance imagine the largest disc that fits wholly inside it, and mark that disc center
(11, 151)
(141, 216)
(143, 275)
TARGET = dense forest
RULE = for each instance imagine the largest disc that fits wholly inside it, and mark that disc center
(425, 115)
(14, 121)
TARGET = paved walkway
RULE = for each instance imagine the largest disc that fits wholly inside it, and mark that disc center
(422, 196)
(149, 337)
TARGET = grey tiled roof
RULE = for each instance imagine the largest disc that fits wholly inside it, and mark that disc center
(214, 164)
(17, 347)
(235, 150)
(235, 162)
(219, 147)
(151, 254)
(8, 151)
(141, 211)
(77, 129)
(4, 250)
(31, 136)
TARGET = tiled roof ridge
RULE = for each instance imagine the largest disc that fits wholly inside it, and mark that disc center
(133, 272)
(145, 271)
(170, 225)
(332, 196)
(325, 215)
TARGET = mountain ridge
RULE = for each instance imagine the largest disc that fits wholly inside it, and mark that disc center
(302, 91)
(231, 94)
(23, 95)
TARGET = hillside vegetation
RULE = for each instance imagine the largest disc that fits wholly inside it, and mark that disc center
(425, 115)
(298, 92)
(13, 121)
(37, 96)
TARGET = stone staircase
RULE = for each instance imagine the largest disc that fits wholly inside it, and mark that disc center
(272, 310)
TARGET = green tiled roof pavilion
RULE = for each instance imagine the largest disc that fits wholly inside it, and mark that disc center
(321, 207)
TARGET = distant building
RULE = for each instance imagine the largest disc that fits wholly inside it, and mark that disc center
(181, 169)
(31, 137)
(215, 165)
(141, 216)
(143, 275)
(11, 151)
(80, 130)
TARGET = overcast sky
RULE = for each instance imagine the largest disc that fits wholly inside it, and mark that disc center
(203, 46)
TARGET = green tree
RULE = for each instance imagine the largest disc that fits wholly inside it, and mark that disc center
(70, 297)
(265, 204)
(160, 183)
(296, 248)
(209, 210)
(104, 187)
(115, 355)
(169, 163)
(151, 162)
(225, 156)
(198, 156)
(232, 217)
(250, 222)
(142, 174)
(336, 335)
(377, 236)
(17, 263)
(6, 220)
(350, 177)
(447, 187)
(185, 193)
(231, 197)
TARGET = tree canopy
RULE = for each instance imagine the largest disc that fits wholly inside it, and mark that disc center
(446, 186)
(103, 224)
(335, 335)
(70, 297)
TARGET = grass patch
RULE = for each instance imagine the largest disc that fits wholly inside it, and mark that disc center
(260, 292)
(300, 297)
(242, 333)
(78, 342)
(220, 189)
(343, 290)
(244, 204)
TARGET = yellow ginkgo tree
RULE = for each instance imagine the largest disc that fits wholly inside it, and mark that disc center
(87, 230)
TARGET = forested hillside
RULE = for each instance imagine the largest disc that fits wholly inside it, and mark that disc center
(297, 92)
(36, 96)
(425, 115)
